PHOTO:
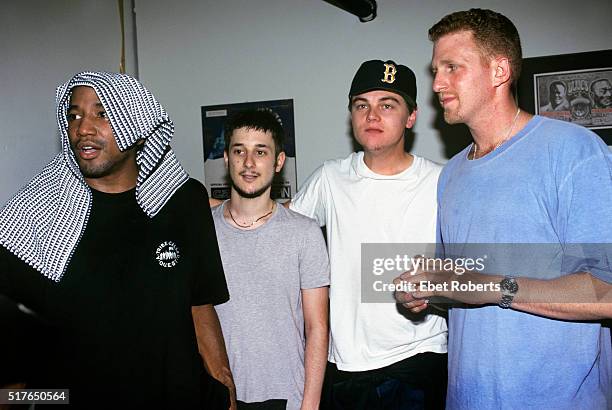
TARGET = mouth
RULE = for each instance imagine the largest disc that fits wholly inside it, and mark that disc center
(445, 100)
(248, 176)
(374, 130)
(87, 150)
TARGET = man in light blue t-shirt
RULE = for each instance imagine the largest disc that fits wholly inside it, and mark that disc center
(532, 197)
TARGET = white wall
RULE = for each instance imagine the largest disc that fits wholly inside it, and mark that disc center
(42, 44)
(201, 52)
(195, 53)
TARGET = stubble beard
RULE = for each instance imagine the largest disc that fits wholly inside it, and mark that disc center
(452, 117)
(250, 195)
(102, 168)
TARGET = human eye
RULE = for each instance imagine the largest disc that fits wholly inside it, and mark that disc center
(103, 114)
(237, 151)
(360, 106)
(260, 152)
(71, 116)
(451, 67)
(387, 106)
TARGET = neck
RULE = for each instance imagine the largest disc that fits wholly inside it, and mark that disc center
(497, 126)
(388, 163)
(245, 212)
(112, 185)
(122, 178)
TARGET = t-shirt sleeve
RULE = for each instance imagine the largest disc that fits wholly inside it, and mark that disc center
(310, 200)
(209, 285)
(314, 263)
(585, 215)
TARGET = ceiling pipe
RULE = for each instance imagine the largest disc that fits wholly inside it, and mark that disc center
(364, 9)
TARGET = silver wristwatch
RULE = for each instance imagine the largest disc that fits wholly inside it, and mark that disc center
(508, 287)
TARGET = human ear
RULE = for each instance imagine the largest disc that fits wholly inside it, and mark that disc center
(280, 161)
(501, 71)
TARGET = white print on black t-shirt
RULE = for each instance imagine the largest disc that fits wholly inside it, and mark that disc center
(167, 254)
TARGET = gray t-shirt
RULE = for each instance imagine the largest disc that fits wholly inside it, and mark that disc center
(263, 322)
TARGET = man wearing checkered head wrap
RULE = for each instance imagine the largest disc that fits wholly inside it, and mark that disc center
(113, 246)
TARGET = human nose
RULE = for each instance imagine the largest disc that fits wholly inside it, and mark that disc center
(373, 114)
(439, 83)
(249, 160)
(85, 126)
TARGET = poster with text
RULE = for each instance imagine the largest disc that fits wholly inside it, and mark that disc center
(580, 96)
(213, 123)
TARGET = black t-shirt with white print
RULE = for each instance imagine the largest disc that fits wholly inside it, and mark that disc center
(118, 325)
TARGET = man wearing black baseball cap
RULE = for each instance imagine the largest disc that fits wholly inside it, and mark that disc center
(379, 195)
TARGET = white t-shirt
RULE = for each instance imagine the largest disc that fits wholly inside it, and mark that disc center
(359, 206)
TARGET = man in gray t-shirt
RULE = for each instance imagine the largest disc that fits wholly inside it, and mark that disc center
(277, 271)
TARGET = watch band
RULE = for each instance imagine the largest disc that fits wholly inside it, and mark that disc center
(509, 287)
(506, 301)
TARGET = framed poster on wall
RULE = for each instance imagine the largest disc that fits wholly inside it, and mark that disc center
(570, 87)
(213, 122)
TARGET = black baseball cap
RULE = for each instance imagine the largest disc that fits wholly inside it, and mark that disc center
(385, 75)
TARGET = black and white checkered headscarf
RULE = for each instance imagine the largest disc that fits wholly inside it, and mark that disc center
(43, 223)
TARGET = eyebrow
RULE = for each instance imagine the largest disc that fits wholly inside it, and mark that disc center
(442, 63)
(75, 107)
(389, 98)
(382, 99)
(239, 144)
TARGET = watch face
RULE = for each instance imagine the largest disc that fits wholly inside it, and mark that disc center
(509, 285)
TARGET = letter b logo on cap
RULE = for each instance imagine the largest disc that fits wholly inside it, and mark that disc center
(389, 75)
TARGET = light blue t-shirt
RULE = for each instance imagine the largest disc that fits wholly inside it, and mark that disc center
(549, 184)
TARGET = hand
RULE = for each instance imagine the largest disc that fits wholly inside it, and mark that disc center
(419, 286)
(468, 287)
(233, 403)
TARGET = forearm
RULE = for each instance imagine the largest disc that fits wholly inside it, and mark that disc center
(578, 296)
(315, 360)
(212, 346)
(315, 306)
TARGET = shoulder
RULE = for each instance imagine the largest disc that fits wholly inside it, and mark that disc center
(295, 219)
(194, 186)
(574, 140)
(191, 190)
(298, 226)
(329, 172)
(427, 166)
(217, 210)
(188, 201)
(341, 165)
(543, 125)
